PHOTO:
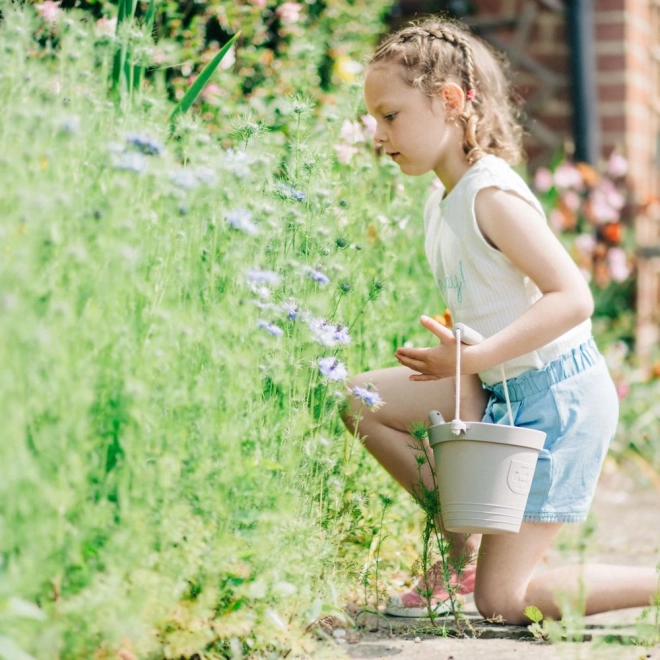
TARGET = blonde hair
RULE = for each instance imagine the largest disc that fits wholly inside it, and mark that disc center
(435, 52)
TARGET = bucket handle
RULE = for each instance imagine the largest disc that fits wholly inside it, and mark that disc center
(466, 335)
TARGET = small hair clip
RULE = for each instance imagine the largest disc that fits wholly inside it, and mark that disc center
(470, 95)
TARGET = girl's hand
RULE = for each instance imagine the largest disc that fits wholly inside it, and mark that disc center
(435, 362)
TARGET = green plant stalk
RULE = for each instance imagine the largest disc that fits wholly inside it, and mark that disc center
(200, 82)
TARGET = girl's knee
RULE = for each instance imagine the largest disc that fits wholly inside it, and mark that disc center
(502, 604)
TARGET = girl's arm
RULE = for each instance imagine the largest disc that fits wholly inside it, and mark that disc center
(515, 228)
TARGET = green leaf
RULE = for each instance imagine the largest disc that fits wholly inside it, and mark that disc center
(534, 614)
(196, 88)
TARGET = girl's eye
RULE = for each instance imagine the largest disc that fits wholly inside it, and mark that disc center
(390, 117)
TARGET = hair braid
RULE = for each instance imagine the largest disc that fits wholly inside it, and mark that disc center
(488, 116)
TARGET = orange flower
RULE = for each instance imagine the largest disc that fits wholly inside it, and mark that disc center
(444, 319)
(612, 232)
(589, 174)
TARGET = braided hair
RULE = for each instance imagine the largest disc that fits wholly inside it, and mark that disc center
(435, 52)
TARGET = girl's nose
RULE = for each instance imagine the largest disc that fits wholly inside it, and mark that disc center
(379, 136)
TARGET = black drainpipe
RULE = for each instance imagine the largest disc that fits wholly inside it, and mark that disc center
(580, 28)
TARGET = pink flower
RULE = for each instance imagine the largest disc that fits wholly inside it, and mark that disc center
(556, 221)
(106, 26)
(585, 244)
(289, 12)
(601, 209)
(258, 3)
(617, 165)
(568, 176)
(622, 389)
(618, 264)
(571, 199)
(614, 198)
(49, 10)
(351, 132)
(345, 152)
(369, 125)
(543, 180)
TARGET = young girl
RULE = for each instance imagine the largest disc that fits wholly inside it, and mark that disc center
(442, 104)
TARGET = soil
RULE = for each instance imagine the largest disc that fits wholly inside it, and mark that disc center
(623, 528)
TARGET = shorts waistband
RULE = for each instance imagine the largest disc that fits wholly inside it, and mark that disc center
(532, 382)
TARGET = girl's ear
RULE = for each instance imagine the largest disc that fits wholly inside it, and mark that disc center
(453, 98)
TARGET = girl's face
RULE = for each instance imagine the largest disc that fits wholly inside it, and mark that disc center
(411, 126)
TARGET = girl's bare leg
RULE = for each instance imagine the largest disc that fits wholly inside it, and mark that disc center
(385, 432)
(507, 583)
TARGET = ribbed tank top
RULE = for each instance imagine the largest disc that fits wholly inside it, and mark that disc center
(480, 285)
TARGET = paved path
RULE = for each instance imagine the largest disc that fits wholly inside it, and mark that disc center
(626, 530)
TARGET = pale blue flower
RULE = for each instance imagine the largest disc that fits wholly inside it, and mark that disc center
(333, 369)
(242, 219)
(184, 178)
(135, 162)
(288, 192)
(145, 144)
(369, 397)
(262, 276)
(271, 328)
(291, 310)
(328, 334)
(317, 275)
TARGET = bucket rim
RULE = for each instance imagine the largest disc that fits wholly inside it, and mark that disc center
(519, 436)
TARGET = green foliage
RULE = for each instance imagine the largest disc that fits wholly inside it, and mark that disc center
(176, 478)
(196, 88)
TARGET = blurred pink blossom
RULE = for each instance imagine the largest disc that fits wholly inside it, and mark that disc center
(617, 165)
(568, 176)
(556, 220)
(258, 3)
(351, 132)
(585, 244)
(572, 200)
(369, 124)
(543, 180)
(614, 198)
(106, 26)
(289, 12)
(345, 152)
(622, 389)
(49, 10)
(618, 264)
(601, 209)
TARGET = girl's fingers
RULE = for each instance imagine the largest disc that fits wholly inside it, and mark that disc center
(445, 335)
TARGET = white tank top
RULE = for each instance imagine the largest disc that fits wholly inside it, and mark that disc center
(480, 286)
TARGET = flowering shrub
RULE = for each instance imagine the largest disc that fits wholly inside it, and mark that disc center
(586, 208)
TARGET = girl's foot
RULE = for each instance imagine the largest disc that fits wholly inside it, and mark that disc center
(414, 602)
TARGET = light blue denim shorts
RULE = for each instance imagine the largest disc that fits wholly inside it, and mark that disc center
(574, 401)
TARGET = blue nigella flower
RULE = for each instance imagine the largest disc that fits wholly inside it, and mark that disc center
(271, 328)
(317, 275)
(328, 334)
(262, 276)
(183, 178)
(130, 161)
(144, 144)
(288, 192)
(242, 219)
(369, 397)
(291, 310)
(333, 369)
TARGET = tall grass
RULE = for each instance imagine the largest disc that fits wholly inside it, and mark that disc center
(174, 473)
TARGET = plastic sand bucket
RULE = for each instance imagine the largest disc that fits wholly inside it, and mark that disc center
(484, 475)
(484, 471)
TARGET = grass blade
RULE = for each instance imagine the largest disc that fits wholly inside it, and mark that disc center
(196, 88)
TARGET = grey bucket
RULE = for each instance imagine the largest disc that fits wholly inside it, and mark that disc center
(484, 475)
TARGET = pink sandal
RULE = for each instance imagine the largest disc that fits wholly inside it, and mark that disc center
(414, 602)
